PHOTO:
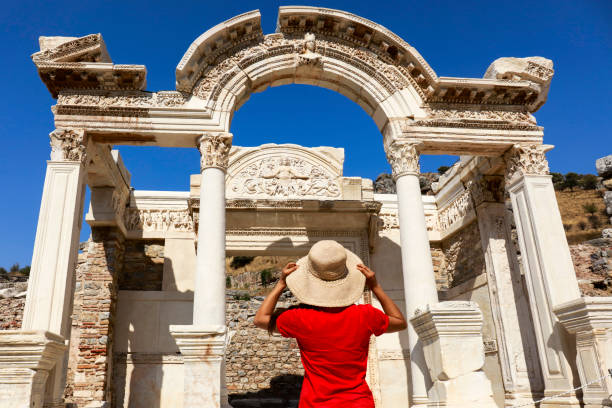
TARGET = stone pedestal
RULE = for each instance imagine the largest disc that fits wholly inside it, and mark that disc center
(451, 333)
(549, 270)
(203, 351)
(590, 319)
(417, 267)
(27, 358)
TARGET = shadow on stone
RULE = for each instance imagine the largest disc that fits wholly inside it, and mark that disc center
(284, 392)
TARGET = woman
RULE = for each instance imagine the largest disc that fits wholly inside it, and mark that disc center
(333, 333)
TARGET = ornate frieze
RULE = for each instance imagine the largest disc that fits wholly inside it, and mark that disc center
(214, 150)
(523, 160)
(105, 100)
(455, 211)
(137, 219)
(403, 158)
(282, 177)
(68, 145)
(90, 48)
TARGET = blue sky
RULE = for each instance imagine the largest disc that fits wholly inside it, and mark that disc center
(456, 38)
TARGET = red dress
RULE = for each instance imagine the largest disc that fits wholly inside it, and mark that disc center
(334, 350)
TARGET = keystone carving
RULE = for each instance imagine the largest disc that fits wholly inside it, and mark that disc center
(308, 54)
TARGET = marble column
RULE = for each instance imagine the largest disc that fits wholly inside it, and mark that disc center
(203, 343)
(417, 268)
(50, 290)
(509, 303)
(548, 266)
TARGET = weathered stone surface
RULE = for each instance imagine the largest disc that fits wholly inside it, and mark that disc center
(463, 255)
(604, 166)
(143, 267)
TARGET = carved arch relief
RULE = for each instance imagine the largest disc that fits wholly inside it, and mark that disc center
(284, 171)
(234, 59)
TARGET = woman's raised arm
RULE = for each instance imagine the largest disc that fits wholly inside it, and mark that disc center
(263, 315)
(397, 322)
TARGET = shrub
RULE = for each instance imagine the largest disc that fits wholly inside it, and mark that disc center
(240, 261)
(3, 271)
(589, 182)
(589, 208)
(567, 227)
(228, 282)
(14, 268)
(265, 276)
(582, 225)
(594, 221)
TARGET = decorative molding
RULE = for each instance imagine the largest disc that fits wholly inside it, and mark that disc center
(285, 177)
(68, 145)
(455, 211)
(90, 48)
(214, 150)
(540, 71)
(524, 160)
(137, 219)
(403, 158)
(101, 101)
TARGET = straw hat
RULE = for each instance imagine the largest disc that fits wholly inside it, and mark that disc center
(327, 276)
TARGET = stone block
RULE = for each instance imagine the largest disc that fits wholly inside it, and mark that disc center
(604, 166)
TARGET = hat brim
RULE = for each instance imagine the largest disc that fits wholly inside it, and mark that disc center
(309, 289)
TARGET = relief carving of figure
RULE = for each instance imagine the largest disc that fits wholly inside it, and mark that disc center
(308, 54)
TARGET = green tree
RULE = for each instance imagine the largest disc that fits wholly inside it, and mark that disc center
(571, 180)
(3, 271)
(265, 276)
(25, 270)
(14, 268)
(589, 182)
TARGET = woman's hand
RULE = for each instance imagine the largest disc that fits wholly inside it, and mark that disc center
(370, 276)
(287, 270)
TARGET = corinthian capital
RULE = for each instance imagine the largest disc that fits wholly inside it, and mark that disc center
(403, 158)
(214, 150)
(524, 160)
(68, 145)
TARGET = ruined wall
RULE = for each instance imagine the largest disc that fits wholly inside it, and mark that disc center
(12, 301)
(259, 365)
(463, 256)
(593, 265)
(143, 265)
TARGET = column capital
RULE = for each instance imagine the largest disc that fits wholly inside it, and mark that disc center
(403, 156)
(214, 150)
(68, 145)
(486, 189)
(526, 160)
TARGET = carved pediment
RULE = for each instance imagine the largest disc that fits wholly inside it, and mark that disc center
(285, 171)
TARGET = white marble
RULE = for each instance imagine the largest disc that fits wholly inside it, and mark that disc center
(590, 320)
(451, 333)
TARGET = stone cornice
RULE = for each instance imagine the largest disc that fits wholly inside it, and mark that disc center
(83, 64)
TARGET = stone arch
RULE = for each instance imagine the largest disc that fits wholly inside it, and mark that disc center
(323, 47)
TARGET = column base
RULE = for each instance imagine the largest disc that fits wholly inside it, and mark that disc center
(26, 358)
(203, 350)
(419, 401)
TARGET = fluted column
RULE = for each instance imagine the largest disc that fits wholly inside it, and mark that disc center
(549, 270)
(417, 268)
(203, 343)
(50, 290)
